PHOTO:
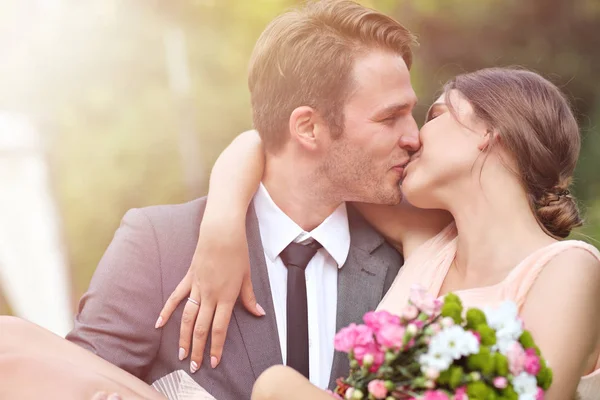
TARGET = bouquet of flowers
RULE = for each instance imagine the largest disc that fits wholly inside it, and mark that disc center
(435, 351)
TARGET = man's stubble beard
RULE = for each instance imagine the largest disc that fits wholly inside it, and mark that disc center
(353, 177)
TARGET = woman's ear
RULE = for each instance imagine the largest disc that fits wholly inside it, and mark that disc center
(488, 139)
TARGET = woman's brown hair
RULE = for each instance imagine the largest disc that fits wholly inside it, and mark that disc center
(536, 126)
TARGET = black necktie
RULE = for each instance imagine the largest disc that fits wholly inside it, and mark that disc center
(296, 257)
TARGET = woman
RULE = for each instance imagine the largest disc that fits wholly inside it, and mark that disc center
(498, 153)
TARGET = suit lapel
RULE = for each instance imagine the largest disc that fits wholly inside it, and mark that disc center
(259, 334)
(361, 284)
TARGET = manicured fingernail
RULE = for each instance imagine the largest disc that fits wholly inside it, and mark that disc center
(158, 323)
(193, 367)
(260, 310)
(214, 362)
(181, 353)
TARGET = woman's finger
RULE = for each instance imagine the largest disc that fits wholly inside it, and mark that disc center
(219, 332)
(180, 293)
(200, 334)
(188, 320)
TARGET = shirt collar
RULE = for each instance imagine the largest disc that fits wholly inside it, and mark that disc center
(277, 230)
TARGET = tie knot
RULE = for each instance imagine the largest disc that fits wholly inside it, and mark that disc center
(299, 255)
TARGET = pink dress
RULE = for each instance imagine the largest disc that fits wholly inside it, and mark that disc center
(429, 264)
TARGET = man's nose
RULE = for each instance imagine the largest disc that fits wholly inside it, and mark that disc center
(410, 139)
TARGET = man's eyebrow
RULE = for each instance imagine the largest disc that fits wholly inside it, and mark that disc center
(396, 108)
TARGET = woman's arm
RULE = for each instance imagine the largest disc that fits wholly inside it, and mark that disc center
(562, 312)
(37, 364)
(220, 267)
(404, 226)
(280, 382)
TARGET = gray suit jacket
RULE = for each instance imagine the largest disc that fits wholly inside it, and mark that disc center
(149, 255)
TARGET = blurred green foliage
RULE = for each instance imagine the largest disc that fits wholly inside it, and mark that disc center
(97, 83)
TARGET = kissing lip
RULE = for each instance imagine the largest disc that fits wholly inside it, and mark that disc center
(400, 167)
(408, 164)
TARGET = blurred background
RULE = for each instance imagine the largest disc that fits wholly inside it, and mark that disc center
(106, 105)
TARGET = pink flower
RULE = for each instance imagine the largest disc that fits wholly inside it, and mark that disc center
(360, 352)
(516, 358)
(435, 395)
(540, 394)
(500, 382)
(424, 301)
(378, 319)
(532, 362)
(477, 335)
(351, 336)
(461, 393)
(436, 328)
(410, 312)
(390, 336)
(377, 389)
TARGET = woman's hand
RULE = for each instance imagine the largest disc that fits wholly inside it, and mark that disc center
(219, 273)
(220, 268)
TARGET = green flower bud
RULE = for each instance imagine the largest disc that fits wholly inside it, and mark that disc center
(487, 335)
(475, 376)
(456, 376)
(390, 356)
(500, 365)
(544, 378)
(354, 364)
(475, 317)
(477, 362)
(444, 378)
(509, 393)
(419, 382)
(452, 310)
(478, 391)
(526, 340)
(452, 298)
(357, 395)
(389, 385)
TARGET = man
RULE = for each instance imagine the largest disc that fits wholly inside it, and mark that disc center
(332, 100)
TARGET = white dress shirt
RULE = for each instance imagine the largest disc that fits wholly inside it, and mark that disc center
(277, 230)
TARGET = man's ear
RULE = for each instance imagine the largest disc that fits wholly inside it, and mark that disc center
(306, 127)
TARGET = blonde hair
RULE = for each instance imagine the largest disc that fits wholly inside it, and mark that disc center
(305, 58)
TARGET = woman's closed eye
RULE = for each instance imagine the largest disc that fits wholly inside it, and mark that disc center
(433, 116)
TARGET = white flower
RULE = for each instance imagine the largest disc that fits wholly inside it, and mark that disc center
(455, 342)
(436, 360)
(449, 344)
(525, 385)
(507, 324)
